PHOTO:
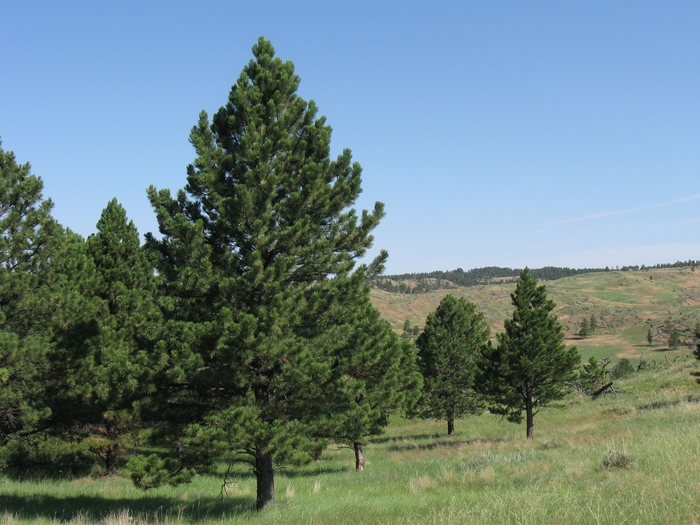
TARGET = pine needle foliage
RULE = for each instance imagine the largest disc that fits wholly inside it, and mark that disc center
(257, 261)
(530, 366)
(26, 231)
(448, 353)
(102, 347)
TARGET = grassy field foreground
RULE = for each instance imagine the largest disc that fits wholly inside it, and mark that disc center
(487, 473)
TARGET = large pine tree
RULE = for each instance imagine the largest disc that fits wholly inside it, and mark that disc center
(448, 351)
(530, 366)
(102, 344)
(256, 253)
(26, 233)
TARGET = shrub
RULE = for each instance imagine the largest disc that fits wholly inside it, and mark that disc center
(622, 368)
(618, 460)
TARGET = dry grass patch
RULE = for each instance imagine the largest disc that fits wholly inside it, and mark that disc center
(9, 518)
(420, 484)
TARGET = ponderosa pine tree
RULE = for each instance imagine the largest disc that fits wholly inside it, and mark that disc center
(584, 330)
(26, 229)
(102, 345)
(448, 351)
(379, 377)
(531, 365)
(255, 253)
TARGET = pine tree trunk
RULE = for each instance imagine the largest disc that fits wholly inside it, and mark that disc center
(111, 458)
(450, 425)
(530, 420)
(265, 477)
(359, 457)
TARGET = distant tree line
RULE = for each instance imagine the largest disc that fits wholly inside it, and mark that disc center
(429, 281)
(487, 275)
(678, 264)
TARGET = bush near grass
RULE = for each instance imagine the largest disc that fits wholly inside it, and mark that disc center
(623, 368)
(618, 460)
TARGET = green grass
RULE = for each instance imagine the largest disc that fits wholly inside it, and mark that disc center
(599, 352)
(488, 473)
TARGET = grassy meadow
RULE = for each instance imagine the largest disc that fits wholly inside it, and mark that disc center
(625, 459)
(488, 473)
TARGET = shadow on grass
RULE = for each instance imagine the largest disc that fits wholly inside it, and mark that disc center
(415, 437)
(655, 405)
(440, 444)
(289, 472)
(65, 508)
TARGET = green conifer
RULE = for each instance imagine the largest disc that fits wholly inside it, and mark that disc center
(103, 345)
(448, 351)
(530, 366)
(256, 252)
(26, 308)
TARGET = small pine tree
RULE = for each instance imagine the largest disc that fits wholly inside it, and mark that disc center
(592, 375)
(674, 339)
(622, 368)
(103, 349)
(407, 331)
(592, 325)
(531, 366)
(584, 330)
(448, 351)
(650, 336)
(26, 239)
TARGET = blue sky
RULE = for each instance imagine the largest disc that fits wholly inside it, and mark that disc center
(496, 133)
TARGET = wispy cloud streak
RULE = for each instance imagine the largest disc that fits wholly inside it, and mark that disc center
(632, 210)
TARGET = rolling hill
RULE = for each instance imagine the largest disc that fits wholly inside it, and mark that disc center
(625, 303)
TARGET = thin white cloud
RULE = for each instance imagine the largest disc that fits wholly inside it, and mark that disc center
(632, 210)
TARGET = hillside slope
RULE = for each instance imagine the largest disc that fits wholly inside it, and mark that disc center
(626, 304)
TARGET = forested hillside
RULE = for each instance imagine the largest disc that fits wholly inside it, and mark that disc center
(425, 281)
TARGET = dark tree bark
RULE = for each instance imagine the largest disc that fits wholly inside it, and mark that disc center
(530, 419)
(450, 425)
(601, 390)
(265, 478)
(111, 458)
(359, 457)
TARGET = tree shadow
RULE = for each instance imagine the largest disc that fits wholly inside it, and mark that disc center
(441, 444)
(288, 472)
(668, 403)
(415, 437)
(65, 508)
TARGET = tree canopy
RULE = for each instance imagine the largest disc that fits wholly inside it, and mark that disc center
(26, 306)
(530, 366)
(448, 352)
(257, 253)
